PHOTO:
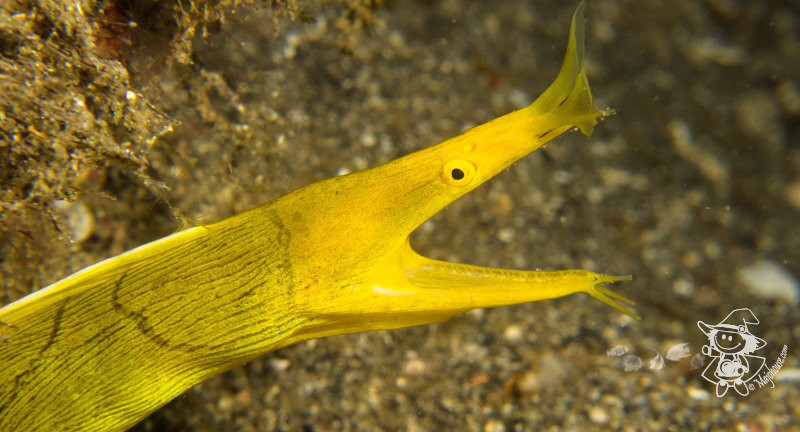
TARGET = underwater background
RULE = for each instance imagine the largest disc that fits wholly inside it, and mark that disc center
(693, 187)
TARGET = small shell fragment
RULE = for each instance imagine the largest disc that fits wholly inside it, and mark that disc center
(617, 351)
(679, 351)
(78, 218)
(632, 363)
(698, 361)
(656, 363)
(698, 394)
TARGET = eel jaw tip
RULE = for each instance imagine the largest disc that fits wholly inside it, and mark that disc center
(608, 297)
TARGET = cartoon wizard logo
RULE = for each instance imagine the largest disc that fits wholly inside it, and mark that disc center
(731, 344)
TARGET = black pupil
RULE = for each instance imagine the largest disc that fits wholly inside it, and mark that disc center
(457, 174)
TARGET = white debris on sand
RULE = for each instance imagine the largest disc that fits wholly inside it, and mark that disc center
(698, 361)
(657, 362)
(770, 280)
(698, 394)
(789, 375)
(617, 351)
(679, 351)
(598, 415)
(513, 333)
(79, 219)
(632, 363)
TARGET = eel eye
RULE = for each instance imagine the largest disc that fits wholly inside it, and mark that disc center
(458, 172)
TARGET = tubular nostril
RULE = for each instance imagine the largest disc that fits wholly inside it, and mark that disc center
(457, 174)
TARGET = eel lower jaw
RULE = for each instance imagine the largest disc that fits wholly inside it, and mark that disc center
(461, 287)
(605, 295)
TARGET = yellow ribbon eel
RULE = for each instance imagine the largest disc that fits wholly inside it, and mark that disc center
(108, 345)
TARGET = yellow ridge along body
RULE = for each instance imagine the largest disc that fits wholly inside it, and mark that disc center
(105, 347)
